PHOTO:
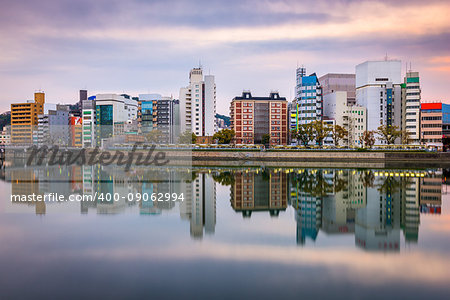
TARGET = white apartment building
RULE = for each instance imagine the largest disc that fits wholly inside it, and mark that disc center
(352, 117)
(378, 89)
(411, 106)
(198, 104)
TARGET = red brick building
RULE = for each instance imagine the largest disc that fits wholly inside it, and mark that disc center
(254, 117)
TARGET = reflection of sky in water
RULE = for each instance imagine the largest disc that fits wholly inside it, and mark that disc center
(130, 254)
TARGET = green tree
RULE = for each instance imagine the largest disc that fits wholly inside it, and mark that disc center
(225, 136)
(320, 131)
(367, 139)
(224, 178)
(187, 137)
(265, 139)
(388, 133)
(304, 134)
(406, 137)
(5, 119)
(368, 178)
(153, 136)
(338, 133)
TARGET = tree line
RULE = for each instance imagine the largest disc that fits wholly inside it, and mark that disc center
(305, 134)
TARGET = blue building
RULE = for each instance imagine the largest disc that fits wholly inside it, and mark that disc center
(309, 101)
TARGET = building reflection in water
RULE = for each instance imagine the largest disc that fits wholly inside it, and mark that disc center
(199, 206)
(259, 191)
(376, 206)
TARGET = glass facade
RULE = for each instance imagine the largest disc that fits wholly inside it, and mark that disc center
(104, 127)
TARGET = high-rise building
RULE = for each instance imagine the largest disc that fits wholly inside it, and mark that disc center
(309, 98)
(254, 117)
(198, 104)
(411, 106)
(378, 88)
(332, 82)
(24, 119)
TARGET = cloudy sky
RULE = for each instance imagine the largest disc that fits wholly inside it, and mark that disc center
(143, 46)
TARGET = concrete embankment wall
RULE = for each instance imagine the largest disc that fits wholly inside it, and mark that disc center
(324, 158)
(339, 159)
(350, 159)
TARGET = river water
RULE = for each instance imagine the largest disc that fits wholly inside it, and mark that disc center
(230, 233)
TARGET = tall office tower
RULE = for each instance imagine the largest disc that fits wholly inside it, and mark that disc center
(332, 82)
(254, 117)
(24, 119)
(88, 121)
(411, 106)
(309, 98)
(198, 104)
(378, 88)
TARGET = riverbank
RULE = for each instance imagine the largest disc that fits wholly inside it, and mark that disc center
(277, 158)
(323, 158)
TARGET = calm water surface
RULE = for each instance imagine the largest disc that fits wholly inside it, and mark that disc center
(239, 232)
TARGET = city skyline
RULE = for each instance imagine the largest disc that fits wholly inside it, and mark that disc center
(112, 47)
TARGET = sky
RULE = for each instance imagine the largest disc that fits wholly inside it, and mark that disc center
(138, 46)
